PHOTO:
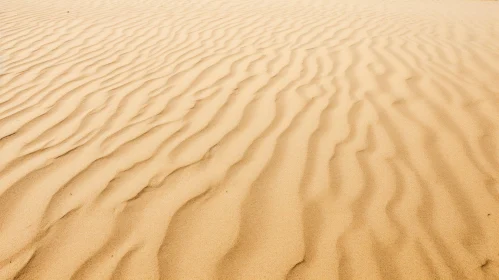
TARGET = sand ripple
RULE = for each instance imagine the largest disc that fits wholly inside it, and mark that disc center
(318, 139)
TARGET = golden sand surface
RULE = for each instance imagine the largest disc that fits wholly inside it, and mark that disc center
(244, 139)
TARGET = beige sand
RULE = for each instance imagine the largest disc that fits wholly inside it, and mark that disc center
(245, 139)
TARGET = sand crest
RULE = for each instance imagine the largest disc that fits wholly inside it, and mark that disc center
(318, 139)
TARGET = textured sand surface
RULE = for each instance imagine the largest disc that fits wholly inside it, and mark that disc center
(245, 139)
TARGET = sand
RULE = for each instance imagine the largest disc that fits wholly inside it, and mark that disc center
(245, 139)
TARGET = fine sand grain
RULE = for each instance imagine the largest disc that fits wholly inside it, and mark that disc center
(249, 139)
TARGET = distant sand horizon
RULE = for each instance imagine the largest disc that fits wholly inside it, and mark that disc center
(195, 139)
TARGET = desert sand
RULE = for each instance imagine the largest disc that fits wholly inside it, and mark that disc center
(245, 139)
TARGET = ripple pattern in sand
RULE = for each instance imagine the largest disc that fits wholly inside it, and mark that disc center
(321, 139)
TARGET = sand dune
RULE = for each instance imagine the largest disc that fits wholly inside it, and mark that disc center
(318, 139)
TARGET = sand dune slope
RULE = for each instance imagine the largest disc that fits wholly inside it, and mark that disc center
(318, 139)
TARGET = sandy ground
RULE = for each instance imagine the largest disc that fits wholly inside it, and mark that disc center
(245, 139)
